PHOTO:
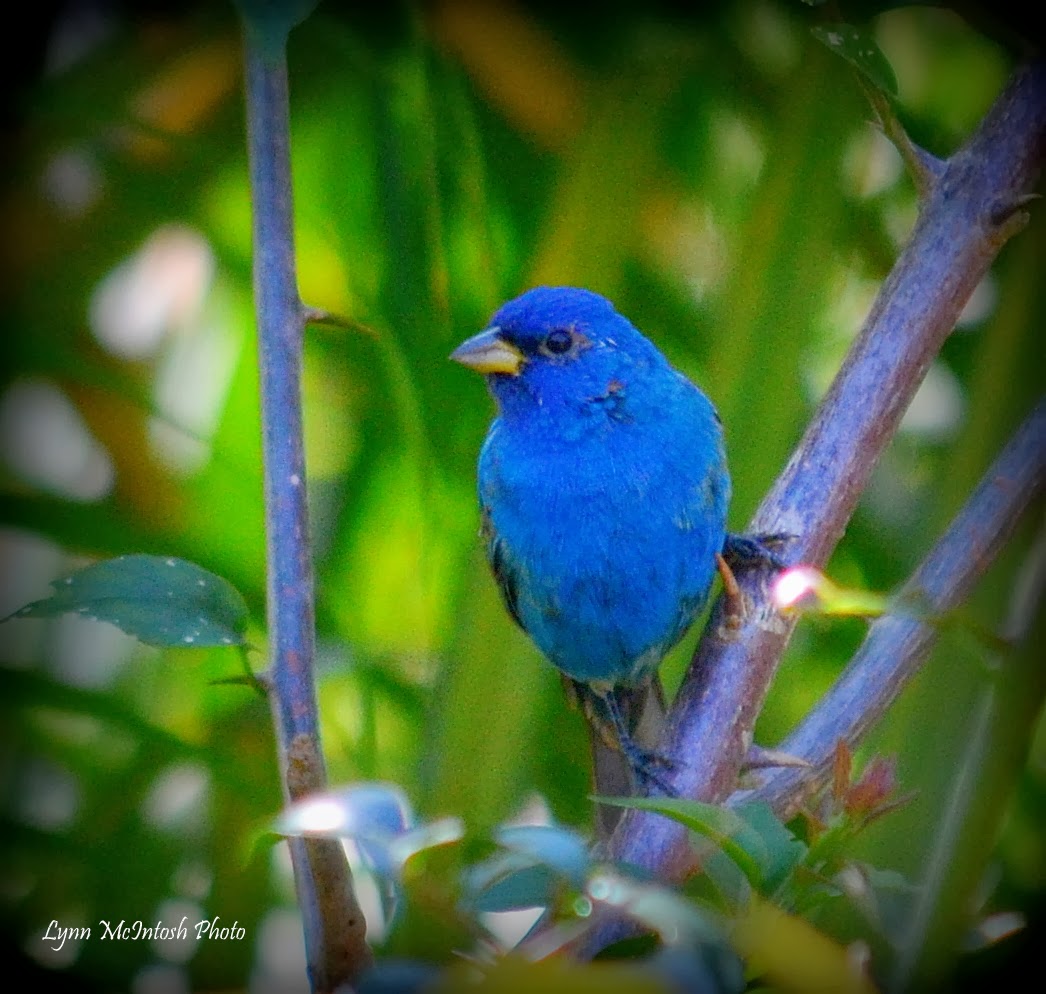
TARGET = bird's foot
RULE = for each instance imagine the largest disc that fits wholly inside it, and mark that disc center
(740, 554)
(649, 768)
(743, 552)
(732, 593)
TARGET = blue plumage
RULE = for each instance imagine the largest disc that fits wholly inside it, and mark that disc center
(602, 482)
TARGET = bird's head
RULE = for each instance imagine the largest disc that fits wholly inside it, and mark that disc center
(557, 346)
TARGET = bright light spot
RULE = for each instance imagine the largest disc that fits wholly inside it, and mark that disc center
(72, 182)
(899, 218)
(192, 379)
(47, 796)
(533, 811)
(281, 964)
(177, 799)
(368, 810)
(740, 150)
(511, 927)
(79, 29)
(847, 306)
(872, 163)
(46, 953)
(283, 869)
(605, 888)
(981, 304)
(28, 563)
(175, 914)
(160, 978)
(192, 879)
(684, 236)
(936, 410)
(795, 584)
(767, 37)
(44, 440)
(160, 304)
(371, 894)
(87, 653)
(440, 832)
(998, 926)
(321, 814)
(160, 289)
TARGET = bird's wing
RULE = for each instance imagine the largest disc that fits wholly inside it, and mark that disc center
(504, 572)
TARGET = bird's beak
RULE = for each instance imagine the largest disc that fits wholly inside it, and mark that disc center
(488, 352)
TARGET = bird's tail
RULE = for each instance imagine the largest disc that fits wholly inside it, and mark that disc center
(643, 710)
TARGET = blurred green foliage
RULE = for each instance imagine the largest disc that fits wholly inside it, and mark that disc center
(714, 173)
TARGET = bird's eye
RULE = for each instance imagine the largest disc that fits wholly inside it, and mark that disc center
(558, 341)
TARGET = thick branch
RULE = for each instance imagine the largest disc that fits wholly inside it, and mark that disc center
(968, 212)
(896, 646)
(334, 926)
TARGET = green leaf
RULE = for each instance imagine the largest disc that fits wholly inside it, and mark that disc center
(677, 920)
(558, 848)
(723, 826)
(781, 851)
(160, 600)
(763, 849)
(498, 886)
(534, 863)
(859, 48)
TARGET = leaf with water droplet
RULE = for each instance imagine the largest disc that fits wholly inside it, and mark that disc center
(161, 600)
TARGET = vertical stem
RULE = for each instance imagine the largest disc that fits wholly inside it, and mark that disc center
(333, 924)
(281, 326)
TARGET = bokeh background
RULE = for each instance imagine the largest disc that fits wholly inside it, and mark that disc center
(712, 170)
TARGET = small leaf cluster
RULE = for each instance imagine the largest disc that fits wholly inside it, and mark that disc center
(445, 889)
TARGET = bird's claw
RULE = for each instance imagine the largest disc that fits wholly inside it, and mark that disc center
(759, 550)
(648, 768)
(735, 599)
(741, 553)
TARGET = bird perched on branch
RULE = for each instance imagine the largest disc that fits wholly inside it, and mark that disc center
(603, 488)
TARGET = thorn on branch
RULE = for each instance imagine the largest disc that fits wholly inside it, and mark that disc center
(319, 315)
(759, 758)
(1008, 217)
(924, 168)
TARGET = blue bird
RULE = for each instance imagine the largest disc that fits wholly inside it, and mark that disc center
(603, 489)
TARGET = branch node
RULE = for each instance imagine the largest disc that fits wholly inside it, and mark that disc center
(1008, 216)
(924, 168)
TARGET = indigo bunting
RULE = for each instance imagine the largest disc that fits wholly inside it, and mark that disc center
(603, 490)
